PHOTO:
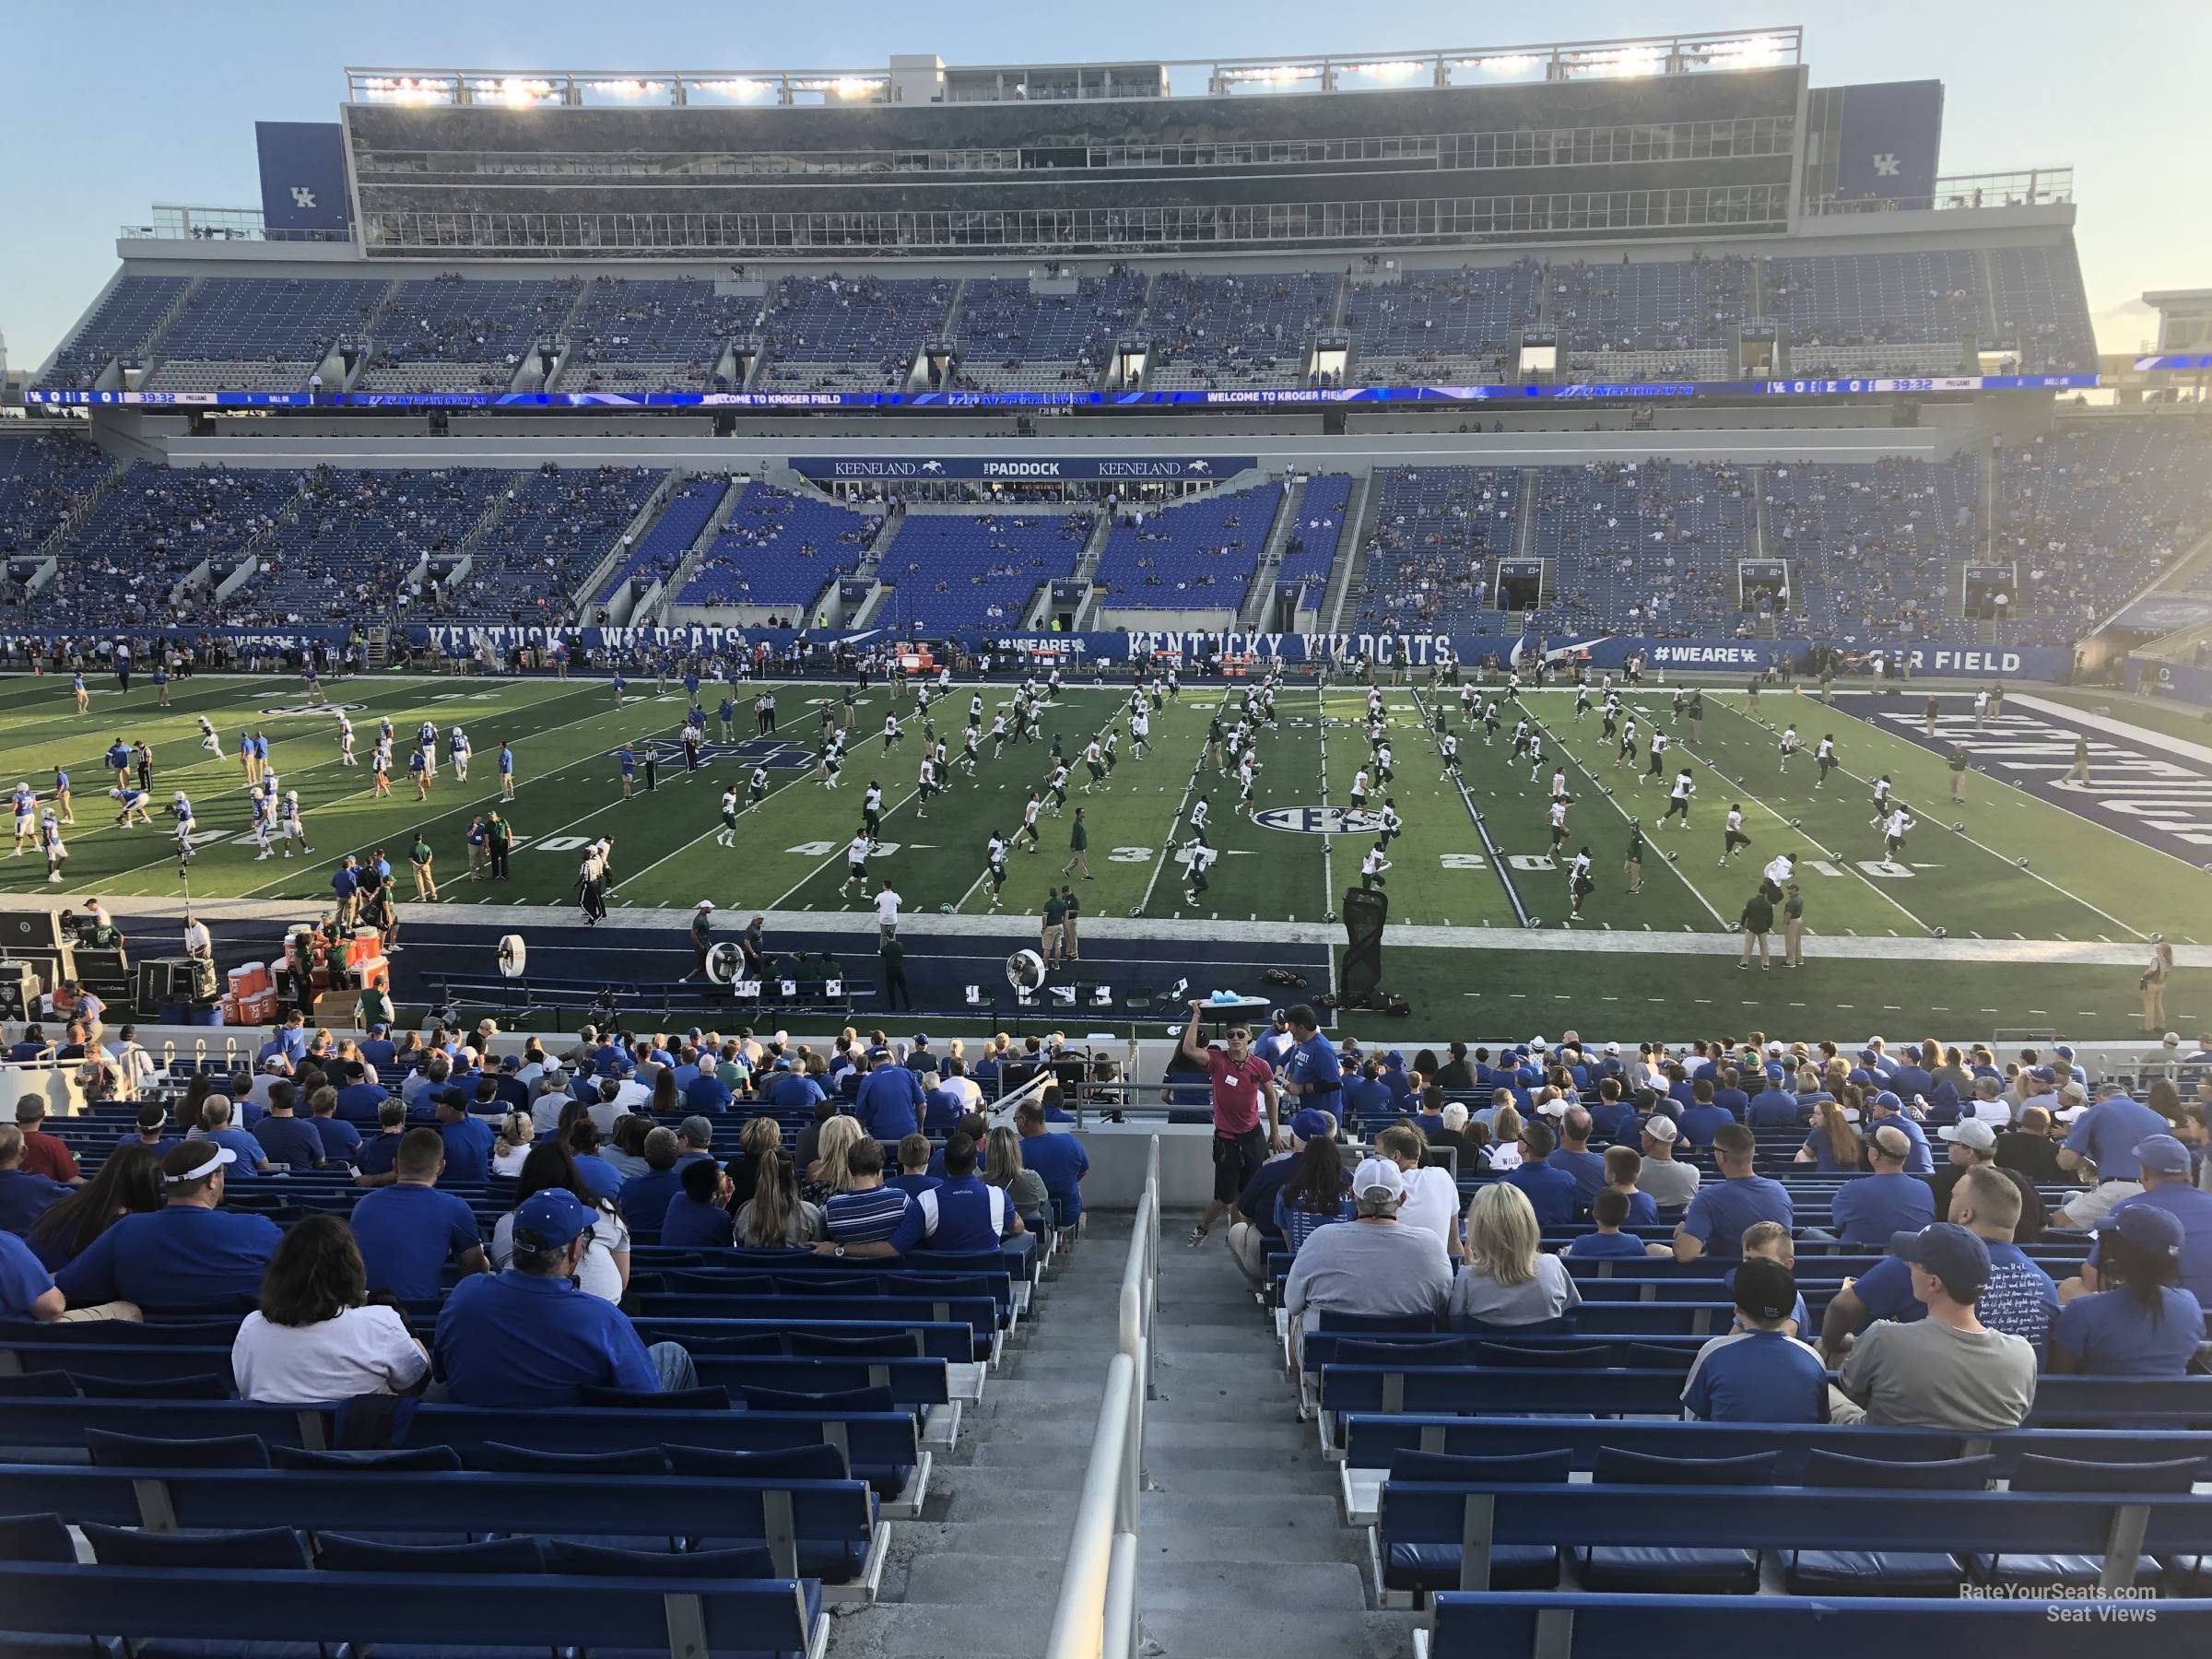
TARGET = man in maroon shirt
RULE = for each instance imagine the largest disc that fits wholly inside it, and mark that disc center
(1241, 1082)
(44, 1154)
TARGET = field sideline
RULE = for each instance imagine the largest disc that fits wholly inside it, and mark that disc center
(1463, 862)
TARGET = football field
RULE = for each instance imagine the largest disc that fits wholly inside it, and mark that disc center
(2044, 893)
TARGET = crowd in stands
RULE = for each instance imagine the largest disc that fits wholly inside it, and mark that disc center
(2088, 518)
(445, 334)
(1214, 332)
(778, 548)
(1676, 318)
(642, 335)
(124, 558)
(953, 570)
(1435, 531)
(553, 529)
(852, 333)
(1874, 546)
(42, 481)
(1010, 337)
(1196, 556)
(1454, 326)
(351, 540)
(1493, 1183)
(1650, 545)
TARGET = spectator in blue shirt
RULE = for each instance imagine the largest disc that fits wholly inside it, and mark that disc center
(2164, 1166)
(1056, 1156)
(1757, 1373)
(1911, 1078)
(890, 1103)
(1874, 1208)
(707, 1093)
(1885, 1108)
(1609, 1209)
(24, 1193)
(964, 1212)
(285, 1138)
(1574, 1155)
(216, 1125)
(2106, 1136)
(2144, 1324)
(190, 1254)
(914, 1178)
(1312, 1074)
(408, 1230)
(1774, 1107)
(1702, 1120)
(1624, 1165)
(531, 1338)
(793, 1091)
(1728, 1094)
(644, 1198)
(468, 1140)
(340, 1139)
(1612, 1120)
(27, 1289)
(1718, 1215)
(696, 1215)
(1551, 1191)
(379, 1051)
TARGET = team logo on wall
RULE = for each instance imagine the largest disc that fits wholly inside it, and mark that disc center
(331, 709)
(1320, 820)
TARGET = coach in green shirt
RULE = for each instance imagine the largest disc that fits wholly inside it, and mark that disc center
(1048, 932)
(1792, 928)
(893, 955)
(1078, 843)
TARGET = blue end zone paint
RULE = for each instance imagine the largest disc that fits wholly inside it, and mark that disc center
(2138, 788)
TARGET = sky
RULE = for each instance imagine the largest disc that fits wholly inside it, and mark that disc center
(118, 105)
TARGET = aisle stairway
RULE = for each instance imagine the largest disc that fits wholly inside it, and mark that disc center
(1243, 1551)
(978, 1575)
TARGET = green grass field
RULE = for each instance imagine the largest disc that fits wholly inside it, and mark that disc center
(2083, 885)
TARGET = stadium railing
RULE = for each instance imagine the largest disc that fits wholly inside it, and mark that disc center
(1096, 1617)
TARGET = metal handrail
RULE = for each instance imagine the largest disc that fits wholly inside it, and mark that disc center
(1096, 1617)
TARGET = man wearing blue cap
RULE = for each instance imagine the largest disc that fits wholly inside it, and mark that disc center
(1948, 1370)
(2142, 1323)
(530, 1337)
(2164, 1167)
(1887, 1109)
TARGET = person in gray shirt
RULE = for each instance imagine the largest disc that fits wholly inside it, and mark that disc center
(1371, 1265)
(1671, 1182)
(1949, 1370)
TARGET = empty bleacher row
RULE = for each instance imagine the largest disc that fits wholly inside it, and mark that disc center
(778, 548)
(955, 570)
(824, 1400)
(1894, 312)
(1198, 556)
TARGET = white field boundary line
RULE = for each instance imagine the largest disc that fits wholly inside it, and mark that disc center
(2001, 859)
(1410, 935)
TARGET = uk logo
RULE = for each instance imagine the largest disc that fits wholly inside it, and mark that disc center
(302, 196)
(1885, 166)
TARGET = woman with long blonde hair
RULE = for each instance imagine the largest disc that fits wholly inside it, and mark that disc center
(1507, 1280)
(1003, 1167)
(832, 1171)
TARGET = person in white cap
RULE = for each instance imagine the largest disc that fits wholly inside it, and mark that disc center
(1371, 1265)
(190, 1254)
(1671, 1181)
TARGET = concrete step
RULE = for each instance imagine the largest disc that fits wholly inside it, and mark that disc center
(1041, 1464)
(978, 1627)
(998, 1496)
(1286, 1625)
(955, 1577)
(1230, 1592)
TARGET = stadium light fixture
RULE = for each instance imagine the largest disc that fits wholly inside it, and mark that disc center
(843, 85)
(741, 88)
(1511, 63)
(1274, 74)
(410, 89)
(628, 88)
(1620, 62)
(1400, 69)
